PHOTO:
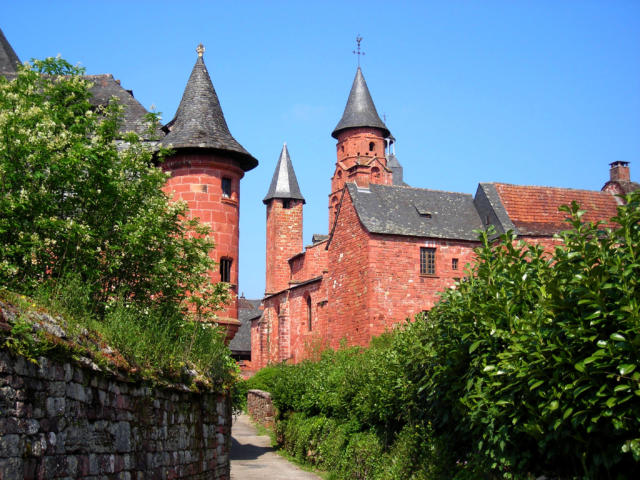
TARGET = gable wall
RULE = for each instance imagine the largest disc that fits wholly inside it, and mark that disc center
(347, 279)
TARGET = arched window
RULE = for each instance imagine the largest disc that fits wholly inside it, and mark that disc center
(309, 314)
(375, 171)
(372, 145)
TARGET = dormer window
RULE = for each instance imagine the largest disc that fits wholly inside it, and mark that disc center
(423, 212)
(226, 187)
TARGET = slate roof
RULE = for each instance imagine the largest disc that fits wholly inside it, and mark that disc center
(284, 183)
(247, 310)
(396, 210)
(534, 210)
(199, 122)
(396, 170)
(8, 58)
(104, 87)
(360, 110)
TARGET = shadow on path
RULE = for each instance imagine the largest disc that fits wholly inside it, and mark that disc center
(253, 458)
(247, 451)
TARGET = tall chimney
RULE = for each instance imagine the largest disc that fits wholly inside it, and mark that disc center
(619, 172)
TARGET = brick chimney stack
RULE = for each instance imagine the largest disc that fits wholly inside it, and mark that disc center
(619, 172)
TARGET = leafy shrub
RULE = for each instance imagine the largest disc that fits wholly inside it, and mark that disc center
(529, 367)
(78, 197)
(86, 229)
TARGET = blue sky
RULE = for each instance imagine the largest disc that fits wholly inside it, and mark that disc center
(527, 92)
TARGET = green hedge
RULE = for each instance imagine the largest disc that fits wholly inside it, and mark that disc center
(528, 367)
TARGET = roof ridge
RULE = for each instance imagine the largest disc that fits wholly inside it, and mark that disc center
(409, 187)
(546, 186)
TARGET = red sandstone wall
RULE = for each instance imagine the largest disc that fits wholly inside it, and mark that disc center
(348, 279)
(305, 342)
(284, 240)
(309, 264)
(197, 179)
(400, 292)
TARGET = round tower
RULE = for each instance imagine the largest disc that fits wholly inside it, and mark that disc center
(361, 144)
(284, 223)
(206, 167)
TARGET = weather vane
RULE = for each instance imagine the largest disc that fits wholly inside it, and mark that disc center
(358, 52)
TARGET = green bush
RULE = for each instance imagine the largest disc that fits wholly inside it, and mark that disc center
(77, 197)
(530, 366)
(86, 229)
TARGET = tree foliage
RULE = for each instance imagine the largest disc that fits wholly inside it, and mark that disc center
(78, 198)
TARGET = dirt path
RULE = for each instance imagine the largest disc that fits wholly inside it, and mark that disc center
(252, 457)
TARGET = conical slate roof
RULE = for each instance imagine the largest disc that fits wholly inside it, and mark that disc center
(199, 122)
(284, 183)
(360, 110)
(8, 58)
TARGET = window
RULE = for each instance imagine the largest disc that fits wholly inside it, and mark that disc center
(309, 314)
(372, 146)
(286, 203)
(226, 187)
(427, 261)
(454, 264)
(225, 269)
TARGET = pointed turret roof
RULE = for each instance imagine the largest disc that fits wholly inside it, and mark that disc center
(8, 59)
(199, 122)
(284, 183)
(360, 110)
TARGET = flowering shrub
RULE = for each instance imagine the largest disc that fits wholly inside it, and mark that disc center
(78, 197)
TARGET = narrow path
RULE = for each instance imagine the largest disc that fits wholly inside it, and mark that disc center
(252, 457)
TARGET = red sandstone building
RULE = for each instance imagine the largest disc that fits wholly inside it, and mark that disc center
(390, 248)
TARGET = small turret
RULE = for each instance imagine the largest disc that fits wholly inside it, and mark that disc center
(284, 223)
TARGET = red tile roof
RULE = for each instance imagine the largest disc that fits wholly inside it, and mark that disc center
(534, 210)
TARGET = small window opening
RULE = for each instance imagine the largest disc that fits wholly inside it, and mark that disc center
(309, 314)
(427, 261)
(286, 203)
(225, 269)
(423, 212)
(226, 187)
(342, 147)
(454, 264)
(372, 145)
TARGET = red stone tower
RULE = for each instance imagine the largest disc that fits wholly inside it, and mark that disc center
(206, 167)
(284, 223)
(361, 144)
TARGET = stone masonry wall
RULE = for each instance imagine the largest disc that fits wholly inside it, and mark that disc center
(260, 407)
(60, 420)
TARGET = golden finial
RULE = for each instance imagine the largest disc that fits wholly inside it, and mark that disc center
(200, 50)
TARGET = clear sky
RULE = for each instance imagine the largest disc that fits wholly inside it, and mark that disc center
(525, 92)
